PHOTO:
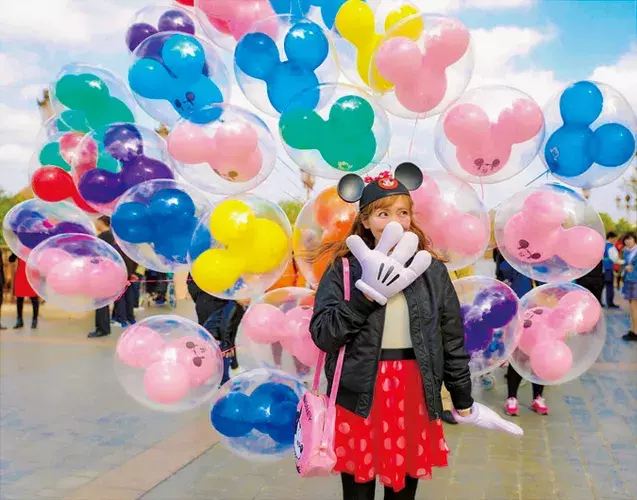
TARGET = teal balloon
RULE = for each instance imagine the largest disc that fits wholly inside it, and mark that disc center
(108, 163)
(350, 115)
(81, 91)
(302, 128)
(350, 155)
(71, 120)
(50, 155)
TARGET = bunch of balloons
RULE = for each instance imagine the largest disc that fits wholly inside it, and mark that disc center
(152, 20)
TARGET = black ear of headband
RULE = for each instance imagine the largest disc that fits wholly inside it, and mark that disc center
(350, 188)
(409, 175)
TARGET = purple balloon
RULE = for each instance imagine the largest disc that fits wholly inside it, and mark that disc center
(68, 228)
(137, 33)
(101, 186)
(477, 336)
(124, 142)
(176, 20)
(32, 238)
(144, 169)
(498, 307)
(24, 216)
(152, 47)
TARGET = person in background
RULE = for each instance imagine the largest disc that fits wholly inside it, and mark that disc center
(611, 258)
(630, 282)
(2, 280)
(22, 289)
(594, 281)
(521, 285)
(618, 267)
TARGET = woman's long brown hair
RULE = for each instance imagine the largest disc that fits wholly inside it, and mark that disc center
(337, 249)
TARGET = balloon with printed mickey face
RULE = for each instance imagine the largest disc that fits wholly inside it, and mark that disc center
(489, 134)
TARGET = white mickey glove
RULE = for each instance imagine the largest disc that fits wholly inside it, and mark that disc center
(485, 417)
(385, 275)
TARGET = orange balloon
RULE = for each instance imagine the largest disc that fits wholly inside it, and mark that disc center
(339, 230)
(287, 279)
(327, 205)
(320, 266)
(307, 301)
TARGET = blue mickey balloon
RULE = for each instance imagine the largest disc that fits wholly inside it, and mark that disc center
(306, 48)
(132, 223)
(173, 206)
(300, 8)
(179, 75)
(173, 246)
(229, 415)
(273, 410)
(574, 147)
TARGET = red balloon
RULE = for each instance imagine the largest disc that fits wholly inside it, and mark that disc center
(189, 3)
(55, 184)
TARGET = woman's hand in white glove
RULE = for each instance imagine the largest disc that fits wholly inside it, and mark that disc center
(485, 417)
(385, 275)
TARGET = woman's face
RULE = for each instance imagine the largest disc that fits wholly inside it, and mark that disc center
(380, 217)
(629, 242)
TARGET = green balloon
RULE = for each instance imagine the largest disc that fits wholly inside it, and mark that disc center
(302, 128)
(350, 116)
(348, 155)
(107, 162)
(113, 111)
(71, 120)
(50, 155)
(83, 91)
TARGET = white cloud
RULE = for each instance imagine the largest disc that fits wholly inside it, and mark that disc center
(33, 92)
(18, 125)
(444, 6)
(13, 172)
(18, 67)
(622, 75)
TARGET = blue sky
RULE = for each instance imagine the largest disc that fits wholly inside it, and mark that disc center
(536, 46)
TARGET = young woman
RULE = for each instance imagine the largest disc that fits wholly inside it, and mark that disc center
(22, 289)
(630, 282)
(403, 333)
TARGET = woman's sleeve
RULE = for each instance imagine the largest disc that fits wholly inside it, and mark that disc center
(457, 377)
(335, 321)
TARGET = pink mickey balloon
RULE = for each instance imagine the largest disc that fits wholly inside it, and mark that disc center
(263, 323)
(467, 125)
(581, 247)
(551, 360)
(198, 357)
(398, 57)
(139, 346)
(237, 17)
(67, 277)
(427, 197)
(297, 322)
(166, 382)
(48, 258)
(105, 278)
(470, 235)
(188, 143)
(520, 122)
(535, 328)
(530, 243)
(577, 312)
(545, 209)
(304, 349)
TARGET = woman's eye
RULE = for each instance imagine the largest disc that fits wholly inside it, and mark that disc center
(382, 214)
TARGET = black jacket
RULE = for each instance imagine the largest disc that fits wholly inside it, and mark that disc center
(107, 236)
(436, 332)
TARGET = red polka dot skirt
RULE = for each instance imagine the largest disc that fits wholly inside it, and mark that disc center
(397, 439)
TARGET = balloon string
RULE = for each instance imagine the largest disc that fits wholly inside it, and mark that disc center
(413, 135)
(546, 172)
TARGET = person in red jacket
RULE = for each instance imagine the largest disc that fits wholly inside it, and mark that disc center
(22, 289)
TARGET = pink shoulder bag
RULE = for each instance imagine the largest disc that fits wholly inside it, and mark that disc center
(316, 416)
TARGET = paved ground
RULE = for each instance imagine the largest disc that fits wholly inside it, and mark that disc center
(67, 430)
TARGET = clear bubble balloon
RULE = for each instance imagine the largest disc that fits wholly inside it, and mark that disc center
(492, 321)
(562, 336)
(421, 65)
(154, 223)
(159, 18)
(323, 219)
(275, 333)
(50, 165)
(359, 26)
(88, 97)
(550, 233)
(347, 132)
(255, 414)
(590, 135)
(77, 272)
(168, 363)
(31, 222)
(489, 134)
(231, 155)
(112, 159)
(280, 58)
(177, 75)
(451, 214)
(240, 247)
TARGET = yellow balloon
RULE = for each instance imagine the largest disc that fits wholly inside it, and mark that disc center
(355, 22)
(269, 249)
(217, 270)
(231, 222)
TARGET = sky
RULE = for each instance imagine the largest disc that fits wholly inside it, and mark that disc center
(536, 46)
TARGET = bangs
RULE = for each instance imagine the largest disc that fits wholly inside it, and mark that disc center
(388, 201)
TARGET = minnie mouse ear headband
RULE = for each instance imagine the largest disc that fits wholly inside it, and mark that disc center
(407, 177)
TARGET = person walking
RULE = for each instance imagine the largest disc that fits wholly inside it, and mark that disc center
(22, 289)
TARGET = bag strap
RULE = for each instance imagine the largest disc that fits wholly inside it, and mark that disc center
(341, 355)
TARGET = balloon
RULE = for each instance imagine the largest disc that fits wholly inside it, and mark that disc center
(166, 382)
(535, 327)
(231, 221)
(346, 140)
(529, 242)
(228, 17)
(140, 346)
(581, 247)
(217, 270)
(230, 415)
(132, 223)
(198, 357)
(573, 148)
(297, 322)
(104, 278)
(181, 80)
(472, 233)
(137, 33)
(551, 360)
(420, 78)
(544, 208)
(498, 307)
(270, 246)
(48, 258)
(174, 205)
(306, 48)
(576, 312)
(263, 323)
(67, 278)
(176, 20)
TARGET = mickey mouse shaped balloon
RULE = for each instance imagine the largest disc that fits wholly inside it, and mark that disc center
(489, 134)
(176, 75)
(154, 19)
(305, 62)
(348, 133)
(426, 72)
(591, 131)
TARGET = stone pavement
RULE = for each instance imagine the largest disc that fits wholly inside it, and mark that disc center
(67, 430)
